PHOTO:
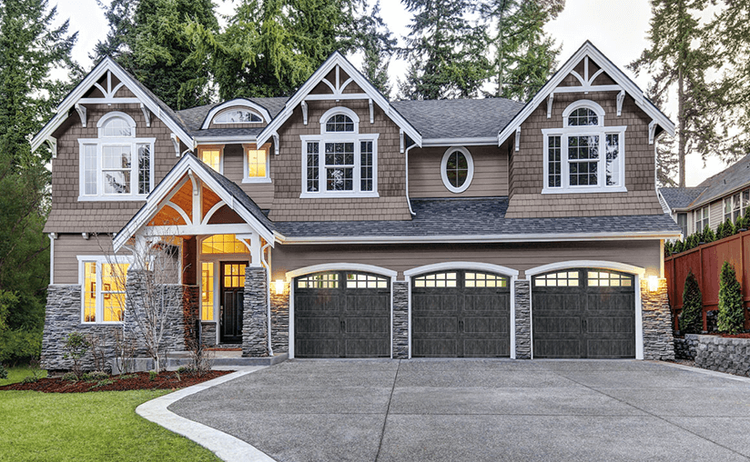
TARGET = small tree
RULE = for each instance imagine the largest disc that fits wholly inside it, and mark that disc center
(691, 318)
(76, 346)
(708, 235)
(731, 317)
(727, 229)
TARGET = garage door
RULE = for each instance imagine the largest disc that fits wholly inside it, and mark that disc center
(460, 314)
(342, 315)
(584, 313)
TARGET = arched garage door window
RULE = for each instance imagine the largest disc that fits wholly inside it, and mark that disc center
(584, 313)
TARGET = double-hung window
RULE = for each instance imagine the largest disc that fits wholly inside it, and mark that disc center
(735, 205)
(340, 162)
(701, 219)
(584, 155)
(102, 282)
(117, 165)
(256, 164)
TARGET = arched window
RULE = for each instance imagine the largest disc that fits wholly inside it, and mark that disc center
(340, 123)
(583, 116)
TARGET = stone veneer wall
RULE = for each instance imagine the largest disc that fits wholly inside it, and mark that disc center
(523, 319)
(722, 354)
(280, 321)
(191, 312)
(686, 348)
(208, 333)
(255, 313)
(658, 341)
(400, 320)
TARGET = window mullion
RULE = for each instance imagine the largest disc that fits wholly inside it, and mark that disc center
(565, 161)
(601, 177)
(357, 177)
(99, 316)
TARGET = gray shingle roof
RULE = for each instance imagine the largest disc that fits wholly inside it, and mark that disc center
(476, 217)
(221, 132)
(734, 177)
(680, 198)
(458, 118)
(194, 117)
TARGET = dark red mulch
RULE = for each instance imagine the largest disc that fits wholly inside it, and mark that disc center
(138, 381)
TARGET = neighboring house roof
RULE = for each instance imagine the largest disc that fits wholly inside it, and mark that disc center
(458, 118)
(734, 177)
(473, 220)
(680, 198)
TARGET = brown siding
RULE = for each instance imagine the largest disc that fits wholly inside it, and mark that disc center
(399, 258)
(287, 171)
(68, 246)
(490, 172)
(260, 193)
(527, 165)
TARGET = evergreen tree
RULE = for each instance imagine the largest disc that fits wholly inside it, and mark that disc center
(525, 55)
(446, 52)
(31, 45)
(731, 318)
(119, 15)
(691, 318)
(378, 45)
(708, 235)
(679, 57)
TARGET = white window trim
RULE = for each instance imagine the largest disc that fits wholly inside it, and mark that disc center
(115, 115)
(340, 138)
(707, 218)
(469, 174)
(100, 143)
(99, 260)
(211, 147)
(335, 111)
(245, 166)
(576, 130)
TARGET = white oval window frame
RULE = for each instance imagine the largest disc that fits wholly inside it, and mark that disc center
(469, 174)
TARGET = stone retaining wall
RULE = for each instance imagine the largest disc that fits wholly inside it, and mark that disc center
(686, 348)
(722, 354)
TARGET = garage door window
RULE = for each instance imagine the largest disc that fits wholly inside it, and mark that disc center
(319, 281)
(608, 279)
(562, 279)
(485, 280)
(365, 281)
(444, 280)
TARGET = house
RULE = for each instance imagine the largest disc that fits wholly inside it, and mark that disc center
(722, 197)
(337, 223)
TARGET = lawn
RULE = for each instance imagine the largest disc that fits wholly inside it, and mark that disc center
(96, 426)
(16, 374)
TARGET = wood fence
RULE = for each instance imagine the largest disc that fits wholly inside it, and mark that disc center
(705, 262)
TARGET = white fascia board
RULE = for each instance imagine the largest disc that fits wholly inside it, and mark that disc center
(235, 102)
(338, 59)
(223, 139)
(464, 239)
(430, 142)
(107, 64)
(588, 49)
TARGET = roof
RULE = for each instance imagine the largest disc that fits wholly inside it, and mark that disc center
(734, 177)
(459, 118)
(680, 198)
(482, 217)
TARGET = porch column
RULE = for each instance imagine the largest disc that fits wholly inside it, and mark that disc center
(523, 319)
(255, 313)
(400, 320)
(658, 340)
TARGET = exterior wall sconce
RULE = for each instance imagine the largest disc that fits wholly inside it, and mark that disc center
(279, 286)
(653, 283)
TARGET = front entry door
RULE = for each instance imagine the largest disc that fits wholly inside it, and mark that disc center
(232, 301)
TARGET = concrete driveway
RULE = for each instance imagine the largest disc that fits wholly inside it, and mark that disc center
(479, 410)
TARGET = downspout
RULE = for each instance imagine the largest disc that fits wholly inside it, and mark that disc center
(406, 155)
(52, 237)
(268, 289)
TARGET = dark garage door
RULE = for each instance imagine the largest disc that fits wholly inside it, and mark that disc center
(460, 314)
(584, 313)
(342, 315)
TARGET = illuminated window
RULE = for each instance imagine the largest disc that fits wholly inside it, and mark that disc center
(480, 280)
(319, 281)
(365, 281)
(103, 290)
(256, 164)
(222, 243)
(207, 291)
(211, 156)
(439, 280)
(608, 279)
(234, 275)
(561, 279)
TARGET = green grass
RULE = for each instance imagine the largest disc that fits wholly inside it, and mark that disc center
(16, 374)
(97, 426)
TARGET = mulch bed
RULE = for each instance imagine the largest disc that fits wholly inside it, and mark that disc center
(135, 381)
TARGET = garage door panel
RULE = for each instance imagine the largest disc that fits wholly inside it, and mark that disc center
(367, 326)
(366, 348)
(486, 348)
(435, 348)
(486, 302)
(558, 348)
(603, 349)
(318, 348)
(436, 325)
(486, 325)
(315, 304)
(367, 303)
(558, 324)
(610, 326)
(434, 302)
(318, 325)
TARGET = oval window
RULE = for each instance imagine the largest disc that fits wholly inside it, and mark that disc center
(457, 169)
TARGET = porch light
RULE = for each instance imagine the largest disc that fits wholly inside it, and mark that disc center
(653, 283)
(279, 286)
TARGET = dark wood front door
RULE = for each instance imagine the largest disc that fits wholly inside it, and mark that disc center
(461, 314)
(583, 313)
(232, 301)
(342, 315)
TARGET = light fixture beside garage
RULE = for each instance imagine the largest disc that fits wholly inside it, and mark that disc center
(279, 286)
(653, 283)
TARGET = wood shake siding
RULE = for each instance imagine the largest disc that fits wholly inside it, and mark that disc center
(69, 246)
(490, 172)
(68, 215)
(260, 193)
(526, 200)
(287, 171)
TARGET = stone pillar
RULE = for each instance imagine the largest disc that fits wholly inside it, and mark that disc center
(280, 320)
(255, 313)
(191, 312)
(658, 340)
(523, 319)
(400, 320)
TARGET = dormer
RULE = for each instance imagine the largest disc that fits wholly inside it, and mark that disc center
(237, 113)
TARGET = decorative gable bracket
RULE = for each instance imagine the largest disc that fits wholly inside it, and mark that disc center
(651, 132)
(303, 105)
(550, 99)
(275, 143)
(146, 114)
(176, 143)
(81, 113)
(518, 138)
(620, 99)
(52, 143)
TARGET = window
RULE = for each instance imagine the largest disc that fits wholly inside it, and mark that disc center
(735, 205)
(222, 243)
(480, 280)
(319, 281)
(207, 291)
(584, 155)
(561, 279)
(103, 288)
(212, 156)
(256, 164)
(238, 116)
(340, 162)
(457, 169)
(117, 165)
(438, 280)
(365, 281)
(701, 219)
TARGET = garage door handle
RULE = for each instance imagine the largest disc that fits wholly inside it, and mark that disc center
(460, 326)
(343, 326)
(583, 325)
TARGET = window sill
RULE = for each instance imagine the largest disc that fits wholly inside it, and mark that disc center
(208, 321)
(341, 195)
(257, 181)
(121, 197)
(584, 190)
(103, 323)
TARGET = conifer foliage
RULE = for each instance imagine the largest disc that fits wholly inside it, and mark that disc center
(731, 317)
(691, 318)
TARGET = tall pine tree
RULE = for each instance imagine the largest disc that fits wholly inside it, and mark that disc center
(376, 42)
(446, 50)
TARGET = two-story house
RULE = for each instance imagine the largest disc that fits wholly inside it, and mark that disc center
(337, 223)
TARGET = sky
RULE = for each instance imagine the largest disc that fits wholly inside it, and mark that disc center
(617, 27)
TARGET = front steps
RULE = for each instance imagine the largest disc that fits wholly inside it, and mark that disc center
(223, 359)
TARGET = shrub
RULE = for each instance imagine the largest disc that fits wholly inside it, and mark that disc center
(708, 234)
(668, 247)
(76, 346)
(691, 318)
(102, 383)
(731, 317)
(3, 372)
(726, 230)
(152, 375)
(677, 247)
(30, 379)
(70, 377)
(95, 376)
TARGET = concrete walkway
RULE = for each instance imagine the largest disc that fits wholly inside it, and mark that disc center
(478, 410)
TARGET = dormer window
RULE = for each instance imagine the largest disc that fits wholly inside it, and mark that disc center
(238, 116)
(584, 155)
(117, 165)
(340, 162)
